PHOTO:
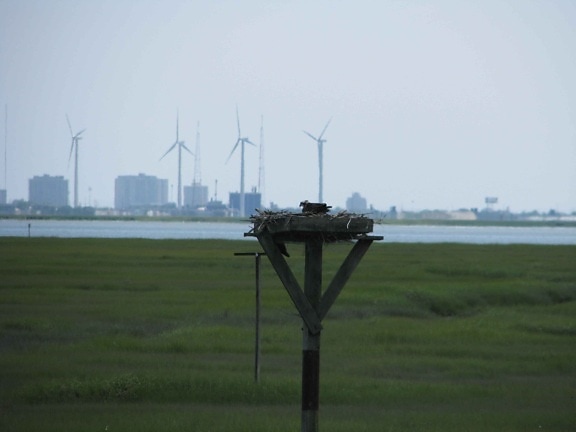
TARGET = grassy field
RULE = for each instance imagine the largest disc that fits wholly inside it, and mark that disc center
(158, 335)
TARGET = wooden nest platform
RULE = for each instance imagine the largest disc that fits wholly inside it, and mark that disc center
(300, 227)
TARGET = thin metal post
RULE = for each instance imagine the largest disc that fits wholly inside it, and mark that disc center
(257, 337)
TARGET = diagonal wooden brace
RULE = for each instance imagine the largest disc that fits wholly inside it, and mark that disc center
(343, 274)
(307, 312)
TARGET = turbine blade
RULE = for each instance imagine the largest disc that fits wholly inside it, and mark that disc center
(325, 127)
(169, 150)
(71, 150)
(185, 148)
(310, 135)
(233, 149)
(249, 142)
(69, 126)
(177, 116)
(79, 133)
(238, 121)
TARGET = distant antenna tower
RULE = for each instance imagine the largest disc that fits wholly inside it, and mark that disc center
(261, 173)
(197, 176)
(197, 169)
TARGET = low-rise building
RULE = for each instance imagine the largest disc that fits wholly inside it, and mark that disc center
(356, 204)
(252, 201)
(195, 195)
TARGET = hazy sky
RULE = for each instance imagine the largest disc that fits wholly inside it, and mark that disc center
(435, 104)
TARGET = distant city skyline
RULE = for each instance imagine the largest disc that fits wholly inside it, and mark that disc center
(434, 104)
(139, 190)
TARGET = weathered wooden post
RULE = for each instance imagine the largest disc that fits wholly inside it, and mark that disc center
(313, 227)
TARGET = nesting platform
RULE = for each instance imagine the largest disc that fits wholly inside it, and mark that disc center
(300, 227)
(314, 229)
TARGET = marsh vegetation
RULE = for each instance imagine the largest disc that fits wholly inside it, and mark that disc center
(152, 335)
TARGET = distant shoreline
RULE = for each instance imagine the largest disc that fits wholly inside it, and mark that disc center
(440, 222)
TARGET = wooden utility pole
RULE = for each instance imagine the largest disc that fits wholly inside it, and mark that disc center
(314, 230)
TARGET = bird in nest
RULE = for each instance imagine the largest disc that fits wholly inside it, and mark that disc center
(314, 208)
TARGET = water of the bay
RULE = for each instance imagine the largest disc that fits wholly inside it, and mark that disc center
(235, 231)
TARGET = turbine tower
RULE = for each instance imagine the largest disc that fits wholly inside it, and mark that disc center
(261, 173)
(181, 146)
(74, 148)
(320, 143)
(242, 141)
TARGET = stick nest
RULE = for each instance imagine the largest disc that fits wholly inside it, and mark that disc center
(300, 226)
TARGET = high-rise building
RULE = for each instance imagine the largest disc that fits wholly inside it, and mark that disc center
(196, 195)
(3, 197)
(139, 191)
(48, 191)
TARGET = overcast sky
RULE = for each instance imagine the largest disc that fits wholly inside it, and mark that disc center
(434, 104)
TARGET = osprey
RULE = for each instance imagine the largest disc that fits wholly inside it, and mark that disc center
(315, 208)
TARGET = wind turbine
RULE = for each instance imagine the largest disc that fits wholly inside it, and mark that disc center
(74, 148)
(242, 141)
(320, 142)
(181, 146)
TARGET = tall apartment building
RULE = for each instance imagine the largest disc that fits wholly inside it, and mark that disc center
(139, 191)
(48, 191)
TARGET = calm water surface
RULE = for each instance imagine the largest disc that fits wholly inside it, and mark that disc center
(235, 231)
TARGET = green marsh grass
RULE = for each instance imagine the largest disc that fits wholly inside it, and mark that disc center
(148, 335)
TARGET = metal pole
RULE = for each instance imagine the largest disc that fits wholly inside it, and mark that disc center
(257, 338)
(311, 341)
